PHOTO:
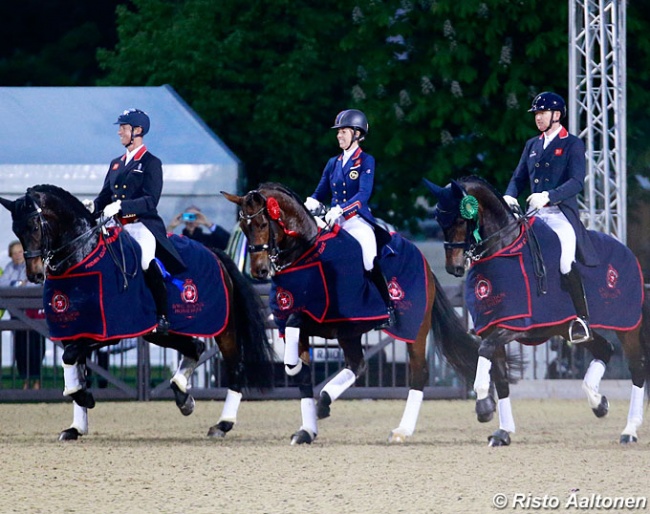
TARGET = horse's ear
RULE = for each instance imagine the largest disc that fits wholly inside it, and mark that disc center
(434, 188)
(8, 204)
(457, 189)
(233, 198)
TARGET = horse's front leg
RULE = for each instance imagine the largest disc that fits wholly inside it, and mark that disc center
(309, 428)
(499, 374)
(485, 404)
(602, 350)
(419, 378)
(74, 376)
(355, 366)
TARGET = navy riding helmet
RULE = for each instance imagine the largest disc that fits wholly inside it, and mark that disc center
(351, 118)
(547, 101)
(135, 118)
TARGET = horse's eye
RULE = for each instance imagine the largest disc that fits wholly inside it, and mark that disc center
(263, 225)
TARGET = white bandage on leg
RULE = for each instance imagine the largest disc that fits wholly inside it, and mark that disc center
(635, 413)
(591, 382)
(309, 420)
(292, 362)
(79, 419)
(340, 383)
(231, 406)
(71, 379)
(411, 412)
(506, 420)
(482, 380)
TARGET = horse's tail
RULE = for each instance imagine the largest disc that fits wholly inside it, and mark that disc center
(644, 339)
(256, 352)
(451, 338)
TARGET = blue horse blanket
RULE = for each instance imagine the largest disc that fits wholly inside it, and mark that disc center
(328, 284)
(91, 301)
(501, 289)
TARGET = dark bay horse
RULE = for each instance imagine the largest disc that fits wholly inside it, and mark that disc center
(285, 241)
(516, 294)
(58, 233)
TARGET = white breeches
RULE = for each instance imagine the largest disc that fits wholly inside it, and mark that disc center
(555, 219)
(362, 231)
(145, 239)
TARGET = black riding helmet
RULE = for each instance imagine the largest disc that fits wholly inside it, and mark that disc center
(547, 101)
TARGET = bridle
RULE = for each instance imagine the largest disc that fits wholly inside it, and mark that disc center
(271, 211)
(44, 251)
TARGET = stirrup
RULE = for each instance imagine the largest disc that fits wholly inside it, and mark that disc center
(388, 322)
(584, 332)
(162, 326)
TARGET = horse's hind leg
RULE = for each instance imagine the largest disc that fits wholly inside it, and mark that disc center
(228, 347)
(499, 372)
(355, 366)
(74, 376)
(191, 350)
(602, 351)
(639, 369)
(309, 427)
(79, 425)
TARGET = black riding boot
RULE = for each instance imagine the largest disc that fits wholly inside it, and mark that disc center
(156, 284)
(377, 277)
(579, 331)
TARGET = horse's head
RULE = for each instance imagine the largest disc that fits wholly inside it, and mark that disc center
(277, 226)
(472, 215)
(45, 220)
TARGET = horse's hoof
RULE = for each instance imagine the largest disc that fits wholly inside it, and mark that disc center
(397, 437)
(602, 409)
(485, 409)
(302, 437)
(323, 407)
(220, 429)
(184, 401)
(627, 439)
(70, 434)
(499, 438)
(84, 398)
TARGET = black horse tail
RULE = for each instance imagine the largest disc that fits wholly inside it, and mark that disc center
(451, 338)
(644, 340)
(256, 352)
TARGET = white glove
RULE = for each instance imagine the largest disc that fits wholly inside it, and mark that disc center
(112, 209)
(89, 204)
(538, 200)
(311, 204)
(333, 214)
(511, 201)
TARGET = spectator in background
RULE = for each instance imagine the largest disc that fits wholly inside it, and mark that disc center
(194, 219)
(29, 346)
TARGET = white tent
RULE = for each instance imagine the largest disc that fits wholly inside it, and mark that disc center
(66, 136)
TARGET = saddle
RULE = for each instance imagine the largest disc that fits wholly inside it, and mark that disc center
(503, 290)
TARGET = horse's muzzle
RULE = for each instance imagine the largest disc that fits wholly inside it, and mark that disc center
(456, 271)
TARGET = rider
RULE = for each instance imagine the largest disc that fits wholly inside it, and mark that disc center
(348, 179)
(131, 190)
(553, 165)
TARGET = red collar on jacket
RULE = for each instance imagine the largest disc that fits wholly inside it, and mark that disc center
(138, 155)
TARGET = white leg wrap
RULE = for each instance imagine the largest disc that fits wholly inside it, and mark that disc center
(231, 406)
(411, 412)
(340, 383)
(482, 380)
(309, 419)
(506, 420)
(80, 419)
(184, 373)
(291, 337)
(591, 382)
(71, 379)
(635, 414)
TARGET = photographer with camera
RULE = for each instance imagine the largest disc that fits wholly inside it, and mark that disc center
(194, 219)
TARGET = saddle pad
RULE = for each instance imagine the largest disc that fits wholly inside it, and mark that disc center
(91, 301)
(502, 290)
(328, 283)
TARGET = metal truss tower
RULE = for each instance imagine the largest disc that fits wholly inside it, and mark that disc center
(597, 109)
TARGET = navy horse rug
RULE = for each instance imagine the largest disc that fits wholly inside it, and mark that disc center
(105, 297)
(502, 289)
(328, 284)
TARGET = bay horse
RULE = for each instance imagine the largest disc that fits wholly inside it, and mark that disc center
(284, 242)
(58, 234)
(501, 250)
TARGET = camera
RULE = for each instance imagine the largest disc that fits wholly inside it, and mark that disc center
(189, 216)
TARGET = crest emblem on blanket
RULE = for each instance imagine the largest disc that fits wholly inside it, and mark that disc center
(60, 302)
(612, 277)
(395, 291)
(190, 292)
(483, 288)
(284, 299)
